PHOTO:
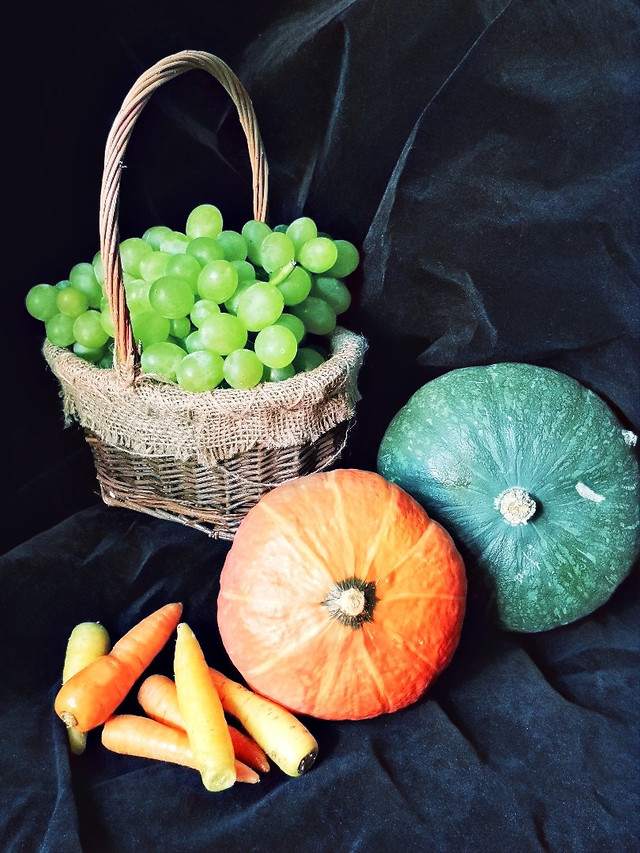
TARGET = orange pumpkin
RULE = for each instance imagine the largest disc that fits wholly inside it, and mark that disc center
(340, 598)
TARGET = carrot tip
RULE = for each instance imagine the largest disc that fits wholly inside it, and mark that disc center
(68, 719)
(215, 780)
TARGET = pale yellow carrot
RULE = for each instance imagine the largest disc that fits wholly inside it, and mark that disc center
(87, 642)
(130, 734)
(283, 737)
(202, 711)
(159, 700)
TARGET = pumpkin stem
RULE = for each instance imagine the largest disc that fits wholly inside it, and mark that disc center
(352, 602)
(516, 505)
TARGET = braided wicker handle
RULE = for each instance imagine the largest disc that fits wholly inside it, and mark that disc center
(164, 70)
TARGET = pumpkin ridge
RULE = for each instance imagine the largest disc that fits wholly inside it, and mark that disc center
(340, 515)
(363, 640)
(440, 596)
(408, 554)
(383, 527)
(284, 651)
(289, 530)
(330, 672)
(413, 648)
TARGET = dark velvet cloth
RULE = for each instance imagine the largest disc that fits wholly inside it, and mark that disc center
(484, 156)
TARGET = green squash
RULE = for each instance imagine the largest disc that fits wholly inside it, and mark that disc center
(535, 479)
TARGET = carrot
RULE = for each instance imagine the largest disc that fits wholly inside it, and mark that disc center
(282, 736)
(91, 696)
(159, 700)
(129, 734)
(202, 712)
(87, 641)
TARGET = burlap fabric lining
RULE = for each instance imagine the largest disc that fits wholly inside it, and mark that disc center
(150, 418)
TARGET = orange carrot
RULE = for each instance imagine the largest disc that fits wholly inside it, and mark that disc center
(202, 712)
(129, 734)
(282, 736)
(91, 696)
(158, 698)
(87, 641)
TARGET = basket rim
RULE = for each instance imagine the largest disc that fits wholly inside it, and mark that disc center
(157, 419)
(347, 347)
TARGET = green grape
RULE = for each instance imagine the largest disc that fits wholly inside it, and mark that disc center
(106, 362)
(296, 286)
(155, 235)
(205, 220)
(41, 301)
(294, 324)
(149, 328)
(175, 243)
(205, 250)
(347, 260)
(245, 270)
(60, 285)
(275, 346)
(162, 359)
(132, 250)
(184, 266)
(202, 309)
(276, 251)
(154, 265)
(243, 369)
(254, 231)
(233, 245)
(171, 297)
(217, 281)
(281, 228)
(278, 374)
(333, 291)
(318, 255)
(107, 322)
(88, 329)
(193, 341)
(222, 333)
(200, 371)
(83, 278)
(259, 306)
(317, 315)
(92, 354)
(180, 327)
(72, 302)
(231, 304)
(307, 358)
(301, 231)
(137, 294)
(98, 268)
(59, 330)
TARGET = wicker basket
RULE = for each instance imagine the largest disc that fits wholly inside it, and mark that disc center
(202, 459)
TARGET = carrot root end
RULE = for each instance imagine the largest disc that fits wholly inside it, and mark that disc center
(68, 719)
(217, 780)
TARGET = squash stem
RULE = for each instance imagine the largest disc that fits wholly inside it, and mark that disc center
(516, 505)
(352, 602)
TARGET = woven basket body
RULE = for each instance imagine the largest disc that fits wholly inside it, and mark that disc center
(203, 459)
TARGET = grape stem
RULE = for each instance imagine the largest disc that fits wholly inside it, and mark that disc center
(283, 273)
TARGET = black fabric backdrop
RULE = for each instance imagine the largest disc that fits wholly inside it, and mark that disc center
(484, 155)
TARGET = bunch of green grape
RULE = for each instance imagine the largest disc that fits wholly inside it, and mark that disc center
(209, 306)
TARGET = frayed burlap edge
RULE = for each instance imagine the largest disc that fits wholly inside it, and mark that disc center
(157, 419)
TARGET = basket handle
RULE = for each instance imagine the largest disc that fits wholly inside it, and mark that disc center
(119, 135)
